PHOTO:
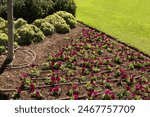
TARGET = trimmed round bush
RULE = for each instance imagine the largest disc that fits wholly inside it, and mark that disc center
(28, 34)
(44, 26)
(20, 22)
(2, 49)
(47, 28)
(59, 23)
(68, 17)
(2, 23)
(3, 26)
(38, 22)
(38, 34)
(3, 39)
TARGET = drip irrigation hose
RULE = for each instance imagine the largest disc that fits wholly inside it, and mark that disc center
(68, 83)
(80, 97)
(47, 86)
(30, 53)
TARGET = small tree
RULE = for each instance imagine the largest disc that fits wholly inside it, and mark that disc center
(10, 30)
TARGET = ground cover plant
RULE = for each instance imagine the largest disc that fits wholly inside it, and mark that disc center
(126, 20)
(90, 66)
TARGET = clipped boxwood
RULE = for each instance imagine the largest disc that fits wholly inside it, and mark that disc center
(2, 23)
(20, 22)
(38, 34)
(59, 23)
(68, 17)
(44, 26)
(28, 34)
(3, 39)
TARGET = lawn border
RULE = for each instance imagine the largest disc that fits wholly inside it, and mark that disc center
(115, 39)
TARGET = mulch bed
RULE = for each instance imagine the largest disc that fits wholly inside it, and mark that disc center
(9, 78)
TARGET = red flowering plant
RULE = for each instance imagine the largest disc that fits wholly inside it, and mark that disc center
(55, 79)
(37, 95)
(108, 95)
(90, 85)
(94, 77)
(32, 87)
(86, 63)
(85, 71)
(17, 94)
(92, 95)
(130, 80)
(74, 91)
(48, 81)
(55, 91)
(124, 93)
(90, 58)
(25, 83)
(35, 72)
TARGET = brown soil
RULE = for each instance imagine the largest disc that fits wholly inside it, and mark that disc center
(52, 43)
(9, 78)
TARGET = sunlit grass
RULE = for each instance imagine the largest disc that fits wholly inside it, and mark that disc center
(126, 20)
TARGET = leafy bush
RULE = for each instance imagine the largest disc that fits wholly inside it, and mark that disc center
(20, 22)
(38, 22)
(2, 23)
(68, 17)
(28, 34)
(65, 5)
(29, 9)
(2, 49)
(38, 34)
(59, 23)
(3, 39)
(44, 26)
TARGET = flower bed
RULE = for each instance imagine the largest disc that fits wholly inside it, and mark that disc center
(91, 66)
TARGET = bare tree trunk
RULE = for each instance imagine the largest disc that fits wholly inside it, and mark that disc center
(10, 30)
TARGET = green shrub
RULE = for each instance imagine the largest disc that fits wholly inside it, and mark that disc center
(38, 22)
(2, 23)
(20, 22)
(65, 5)
(59, 23)
(38, 34)
(2, 49)
(44, 26)
(68, 17)
(3, 39)
(29, 9)
(28, 34)
(3, 26)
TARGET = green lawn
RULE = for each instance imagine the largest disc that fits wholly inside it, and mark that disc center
(126, 20)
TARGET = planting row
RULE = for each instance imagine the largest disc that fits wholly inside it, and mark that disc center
(91, 66)
(25, 34)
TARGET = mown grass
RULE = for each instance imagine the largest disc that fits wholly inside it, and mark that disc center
(126, 20)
